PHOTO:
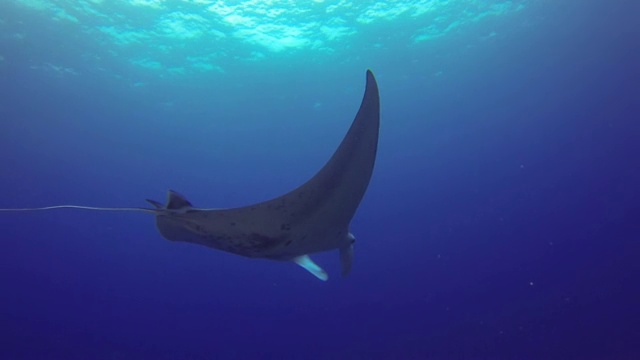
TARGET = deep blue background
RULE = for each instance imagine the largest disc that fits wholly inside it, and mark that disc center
(502, 220)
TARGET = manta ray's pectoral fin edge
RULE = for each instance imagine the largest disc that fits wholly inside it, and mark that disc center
(346, 256)
(305, 262)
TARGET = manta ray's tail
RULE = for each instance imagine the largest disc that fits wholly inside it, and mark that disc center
(56, 207)
(176, 203)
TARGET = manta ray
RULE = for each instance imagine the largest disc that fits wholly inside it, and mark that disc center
(313, 218)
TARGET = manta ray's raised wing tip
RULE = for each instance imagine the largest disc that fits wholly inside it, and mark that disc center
(370, 77)
(371, 83)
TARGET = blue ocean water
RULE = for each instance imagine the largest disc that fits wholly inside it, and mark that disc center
(502, 220)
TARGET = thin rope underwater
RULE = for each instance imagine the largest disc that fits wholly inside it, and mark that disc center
(81, 208)
(95, 208)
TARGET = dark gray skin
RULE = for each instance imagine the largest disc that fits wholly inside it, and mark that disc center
(312, 218)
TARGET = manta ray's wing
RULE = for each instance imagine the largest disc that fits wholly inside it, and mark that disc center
(314, 217)
(337, 189)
